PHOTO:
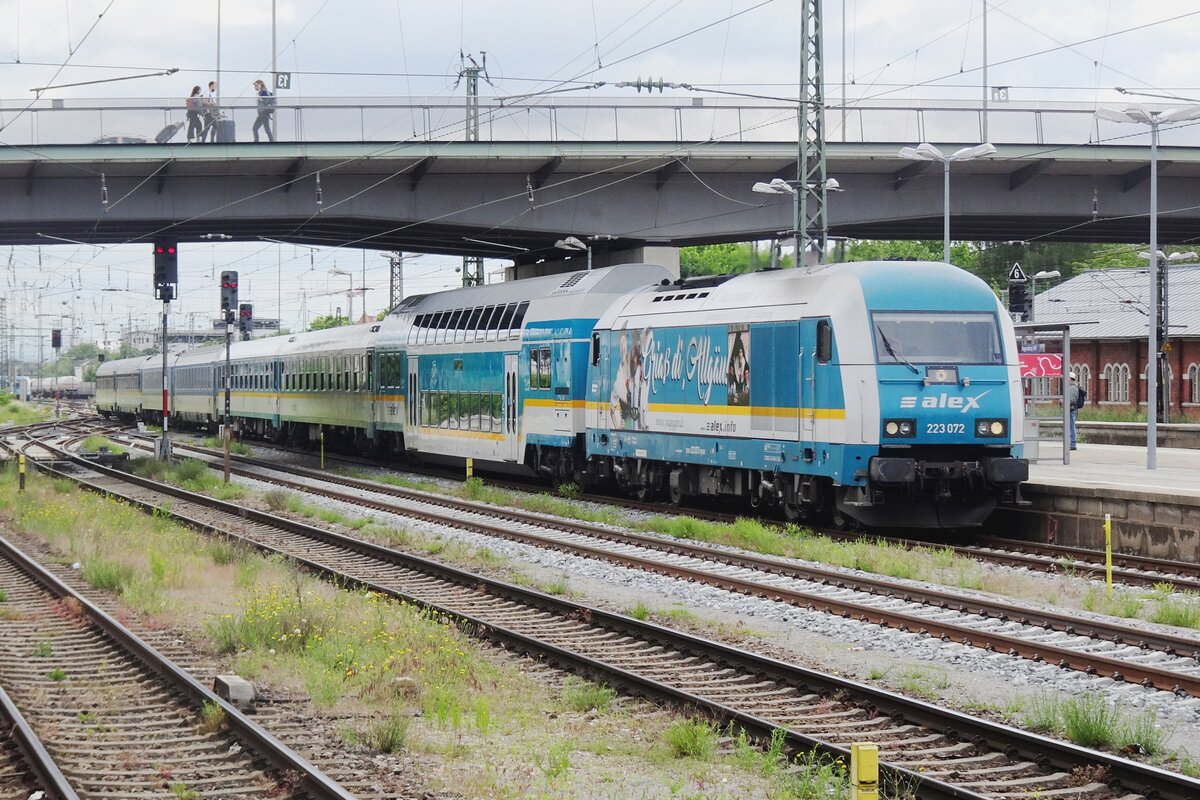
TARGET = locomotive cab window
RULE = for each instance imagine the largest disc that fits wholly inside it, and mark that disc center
(595, 349)
(936, 338)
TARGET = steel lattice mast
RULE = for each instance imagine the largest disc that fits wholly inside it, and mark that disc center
(812, 223)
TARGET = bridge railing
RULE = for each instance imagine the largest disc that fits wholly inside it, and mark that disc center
(689, 120)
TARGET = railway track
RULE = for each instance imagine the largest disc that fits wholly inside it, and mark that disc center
(116, 715)
(1152, 658)
(1130, 570)
(944, 753)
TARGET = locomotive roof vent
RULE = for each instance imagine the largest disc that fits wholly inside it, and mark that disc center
(698, 282)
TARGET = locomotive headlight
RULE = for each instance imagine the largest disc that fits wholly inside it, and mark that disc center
(899, 428)
(991, 428)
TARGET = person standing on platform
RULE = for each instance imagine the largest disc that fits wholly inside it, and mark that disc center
(1076, 396)
(195, 104)
(266, 107)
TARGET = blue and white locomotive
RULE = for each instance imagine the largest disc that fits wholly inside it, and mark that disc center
(885, 393)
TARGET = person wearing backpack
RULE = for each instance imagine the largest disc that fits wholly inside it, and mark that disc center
(266, 107)
(1077, 396)
(195, 104)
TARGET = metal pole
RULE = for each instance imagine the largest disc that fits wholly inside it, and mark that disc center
(164, 444)
(985, 78)
(946, 212)
(1152, 321)
(217, 94)
(228, 339)
(274, 49)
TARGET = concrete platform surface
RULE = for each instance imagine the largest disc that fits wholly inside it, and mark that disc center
(1123, 469)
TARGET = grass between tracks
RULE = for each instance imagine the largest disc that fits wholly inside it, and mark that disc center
(408, 682)
(14, 412)
(96, 442)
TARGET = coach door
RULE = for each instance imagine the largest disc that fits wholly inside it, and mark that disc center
(412, 405)
(808, 391)
(510, 417)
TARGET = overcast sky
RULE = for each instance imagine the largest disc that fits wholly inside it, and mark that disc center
(895, 50)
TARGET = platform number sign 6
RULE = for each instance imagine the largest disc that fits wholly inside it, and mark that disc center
(283, 80)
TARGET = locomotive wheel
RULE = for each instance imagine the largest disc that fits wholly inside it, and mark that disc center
(840, 521)
(644, 492)
(675, 494)
(792, 511)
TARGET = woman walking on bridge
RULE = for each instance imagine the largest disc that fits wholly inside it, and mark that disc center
(266, 107)
(194, 104)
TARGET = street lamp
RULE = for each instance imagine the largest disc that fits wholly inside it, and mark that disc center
(927, 152)
(780, 186)
(349, 294)
(1033, 279)
(1145, 116)
(576, 244)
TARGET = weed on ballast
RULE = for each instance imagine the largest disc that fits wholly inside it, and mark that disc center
(95, 443)
(212, 718)
(388, 734)
(585, 696)
(1183, 613)
(1090, 721)
(691, 738)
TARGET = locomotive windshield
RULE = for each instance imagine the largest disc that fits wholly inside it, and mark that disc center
(934, 338)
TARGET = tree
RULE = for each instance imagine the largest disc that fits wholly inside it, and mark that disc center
(328, 321)
(962, 254)
(718, 259)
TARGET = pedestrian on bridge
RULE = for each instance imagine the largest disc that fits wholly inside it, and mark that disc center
(195, 104)
(211, 113)
(266, 107)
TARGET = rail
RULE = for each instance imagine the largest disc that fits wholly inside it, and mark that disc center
(688, 119)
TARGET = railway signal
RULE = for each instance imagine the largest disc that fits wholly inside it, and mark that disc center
(166, 270)
(56, 339)
(246, 320)
(229, 292)
(1018, 299)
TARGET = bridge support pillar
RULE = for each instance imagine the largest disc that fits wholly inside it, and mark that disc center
(664, 256)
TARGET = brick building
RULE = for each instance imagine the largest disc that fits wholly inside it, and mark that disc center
(1110, 356)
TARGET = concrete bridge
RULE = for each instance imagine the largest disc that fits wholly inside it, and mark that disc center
(398, 175)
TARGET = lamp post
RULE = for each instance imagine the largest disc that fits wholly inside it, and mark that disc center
(780, 186)
(576, 244)
(349, 294)
(927, 152)
(1145, 116)
(1033, 279)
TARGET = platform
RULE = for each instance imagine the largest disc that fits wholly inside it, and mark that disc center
(1123, 468)
(1154, 512)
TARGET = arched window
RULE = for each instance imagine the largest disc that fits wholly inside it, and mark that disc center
(1083, 373)
(1117, 378)
(1193, 377)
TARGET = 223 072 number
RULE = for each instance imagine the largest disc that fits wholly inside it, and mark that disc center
(945, 427)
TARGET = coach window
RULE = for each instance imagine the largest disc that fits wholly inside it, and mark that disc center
(488, 323)
(505, 321)
(473, 333)
(518, 320)
(824, 341)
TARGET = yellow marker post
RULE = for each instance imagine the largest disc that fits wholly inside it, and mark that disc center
(864, 771)
(1108, 552)
(470, 468)
(21, 473)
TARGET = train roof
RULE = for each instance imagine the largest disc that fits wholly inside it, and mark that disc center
(567, 295)
(915, 285)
